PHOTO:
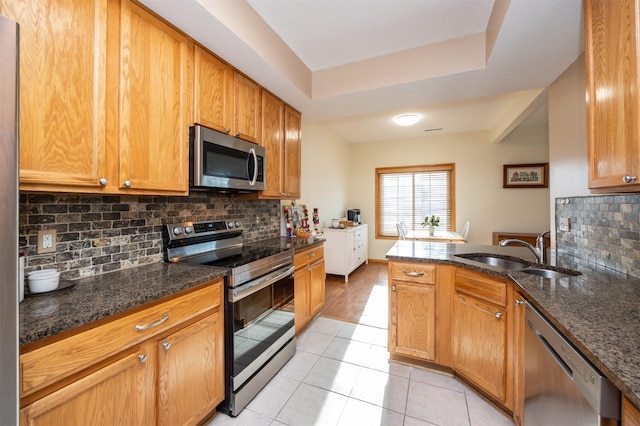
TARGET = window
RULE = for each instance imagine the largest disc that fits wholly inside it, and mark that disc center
(410, 193)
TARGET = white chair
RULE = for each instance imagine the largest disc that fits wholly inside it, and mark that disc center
(403, 226)
(401, 232)
(465, 231)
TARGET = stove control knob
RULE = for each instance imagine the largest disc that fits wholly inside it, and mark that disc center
(237, 224)
(188, 229)
(177, 230)
(231, 225)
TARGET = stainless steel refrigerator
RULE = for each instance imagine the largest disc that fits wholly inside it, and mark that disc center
(8, 222)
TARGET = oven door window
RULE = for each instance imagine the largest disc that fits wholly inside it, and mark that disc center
(259, 320)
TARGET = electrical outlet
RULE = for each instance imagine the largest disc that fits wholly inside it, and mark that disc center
(46, 241)
(563, 224)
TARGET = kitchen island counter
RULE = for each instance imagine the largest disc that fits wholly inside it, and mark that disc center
(598, 311)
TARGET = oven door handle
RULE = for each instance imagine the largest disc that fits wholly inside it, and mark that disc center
(244, 290)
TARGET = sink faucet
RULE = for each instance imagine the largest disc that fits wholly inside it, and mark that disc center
(540, 250)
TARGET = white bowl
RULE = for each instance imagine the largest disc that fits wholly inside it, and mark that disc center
(42, 273)
(43, 284)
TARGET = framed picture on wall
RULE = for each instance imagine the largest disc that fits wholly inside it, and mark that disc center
(526, 175)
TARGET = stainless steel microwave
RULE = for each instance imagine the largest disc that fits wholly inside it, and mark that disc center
(223, 163)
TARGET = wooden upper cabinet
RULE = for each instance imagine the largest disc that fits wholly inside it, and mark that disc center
(280, 135)
(62, 92)
(225, 100)
(155, 90)
(272, 140)
(212, 100)
(292, 152)
(246, 108)
(611, 52)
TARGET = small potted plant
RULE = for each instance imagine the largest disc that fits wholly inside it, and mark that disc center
(432, 222)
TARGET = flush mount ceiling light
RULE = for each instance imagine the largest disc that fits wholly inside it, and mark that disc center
(406, 119)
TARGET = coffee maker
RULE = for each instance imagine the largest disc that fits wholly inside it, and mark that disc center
(353, 215)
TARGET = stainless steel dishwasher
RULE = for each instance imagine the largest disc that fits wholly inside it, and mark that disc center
(561, 386)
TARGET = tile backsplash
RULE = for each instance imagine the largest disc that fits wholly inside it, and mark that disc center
(102, 233)
(603, 229)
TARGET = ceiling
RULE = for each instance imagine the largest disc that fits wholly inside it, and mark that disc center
(352, 65)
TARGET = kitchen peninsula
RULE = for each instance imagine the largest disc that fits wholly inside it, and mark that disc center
(596, 311)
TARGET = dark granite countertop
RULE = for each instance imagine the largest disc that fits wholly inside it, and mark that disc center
(97, 297)
(598, 311)
(94, 298)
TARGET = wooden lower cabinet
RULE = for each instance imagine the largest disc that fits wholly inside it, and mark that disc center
(518, 358)
(420, 310)
(630, 413)
(482, 333)
(309, 285)
(121, 392)
(170, 372)
(412, 320)
(191, 372)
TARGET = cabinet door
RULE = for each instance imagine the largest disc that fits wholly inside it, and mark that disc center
(412, 319)
(212, 98)
(479, 343)
(292, 152)
(120, 393)
(612, 67)
(301, 285)
(62, 93)
(191, 372)
(272, 140)
(351, 250)
(316, 287)
(518, 358)
(155, 104)
(246, 114)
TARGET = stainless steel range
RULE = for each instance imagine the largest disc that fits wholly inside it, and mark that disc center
(259, 314)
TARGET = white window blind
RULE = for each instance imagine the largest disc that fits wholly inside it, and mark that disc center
(410, 193)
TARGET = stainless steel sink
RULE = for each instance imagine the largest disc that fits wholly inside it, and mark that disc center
(500, 262)
(548, 273)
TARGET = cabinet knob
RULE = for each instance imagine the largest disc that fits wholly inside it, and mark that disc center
(393, 288)
(103, 182)
(629, 179)
(142, 358)
(227, 130)
(127, 183)
(498, 315)
(166, 346)
(519, 302)
(237, 134)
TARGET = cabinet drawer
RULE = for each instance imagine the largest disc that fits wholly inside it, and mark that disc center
(487, 288)
(305, 257)
(46, 365)
(414, 272)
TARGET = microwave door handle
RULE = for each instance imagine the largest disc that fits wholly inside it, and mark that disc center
(255, 166)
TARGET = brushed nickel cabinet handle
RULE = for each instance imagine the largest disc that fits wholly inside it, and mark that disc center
(127, 183)
(629, 179)
(519, 302)
(166, 346)
(413, 274)
(498, 315)
(309, 256)
(152, 324)
(142, 358)
(103, 182)
(393, 288)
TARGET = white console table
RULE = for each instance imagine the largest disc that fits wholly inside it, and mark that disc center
(345, 249)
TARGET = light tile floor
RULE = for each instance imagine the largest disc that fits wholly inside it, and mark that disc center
(341, 376)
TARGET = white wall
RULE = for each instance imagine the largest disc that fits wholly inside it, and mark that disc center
(325, 173)
(568, 136)
(480, 196)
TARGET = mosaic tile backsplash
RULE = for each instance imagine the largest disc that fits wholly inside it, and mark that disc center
(102, 233)
(604, 230)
